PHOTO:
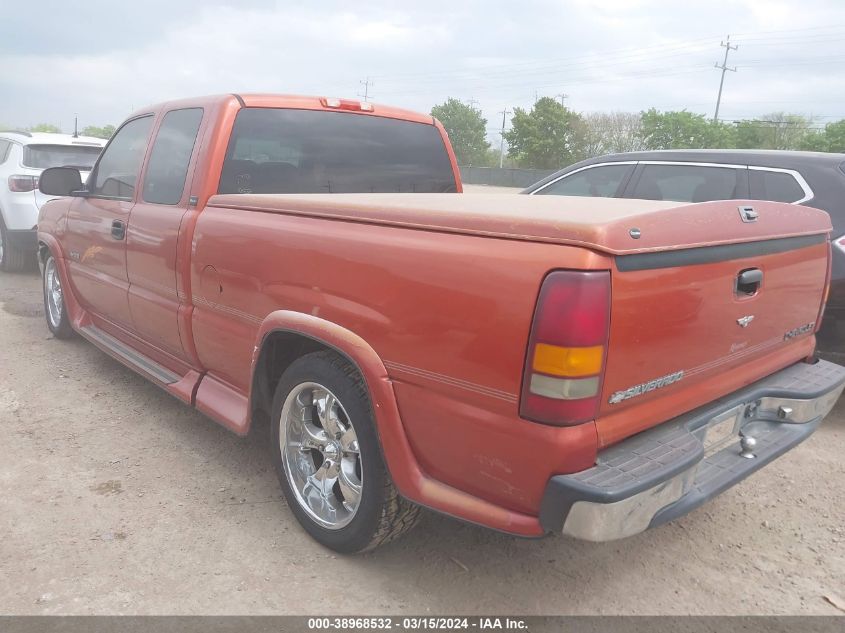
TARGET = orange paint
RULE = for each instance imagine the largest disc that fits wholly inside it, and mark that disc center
(432, 296)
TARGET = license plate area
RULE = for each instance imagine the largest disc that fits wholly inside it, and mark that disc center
(722, 431)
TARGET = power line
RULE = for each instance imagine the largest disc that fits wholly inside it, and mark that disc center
(825, 59)
(809, 28)
(481, 79)
(487, 87)
(628, 52)
(728, 48)
(484, 79)
(577, 60)
(546, 69)
(830, 39)
(487, 81)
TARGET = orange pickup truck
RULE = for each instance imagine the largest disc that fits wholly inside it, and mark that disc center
(591, 367)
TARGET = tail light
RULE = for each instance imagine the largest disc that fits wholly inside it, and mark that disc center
(346, 104)
(564, 367)
(21, 183)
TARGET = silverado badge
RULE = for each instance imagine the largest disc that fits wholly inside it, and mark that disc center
(651, 385)
(807, 327)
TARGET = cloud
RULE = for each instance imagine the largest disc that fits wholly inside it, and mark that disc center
(104, 60)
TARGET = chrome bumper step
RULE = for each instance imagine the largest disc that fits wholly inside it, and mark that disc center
(663, 473)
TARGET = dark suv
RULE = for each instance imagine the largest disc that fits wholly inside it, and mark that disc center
(809, 178)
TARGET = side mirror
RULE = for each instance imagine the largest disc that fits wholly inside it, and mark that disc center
(60, 181)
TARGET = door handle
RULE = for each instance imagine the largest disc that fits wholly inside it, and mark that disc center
(118, 229)
(748, 281)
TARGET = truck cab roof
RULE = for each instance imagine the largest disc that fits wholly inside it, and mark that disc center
(300, 102)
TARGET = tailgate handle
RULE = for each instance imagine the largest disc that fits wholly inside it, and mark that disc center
(748, 281)
(118, 230)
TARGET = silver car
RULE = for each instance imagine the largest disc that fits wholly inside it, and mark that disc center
(23, 156)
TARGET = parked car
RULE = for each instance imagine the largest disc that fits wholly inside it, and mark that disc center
(23, 156)
(812, 179)
(461, 353)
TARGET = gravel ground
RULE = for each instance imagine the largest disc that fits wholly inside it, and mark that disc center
(117, 499)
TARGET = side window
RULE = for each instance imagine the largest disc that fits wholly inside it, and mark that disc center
(4, 150)
(117, 171)
(596, 182)
(687, 183)
(776, 186)
(167, 168)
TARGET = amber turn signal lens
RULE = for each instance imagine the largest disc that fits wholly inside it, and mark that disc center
(554, 360)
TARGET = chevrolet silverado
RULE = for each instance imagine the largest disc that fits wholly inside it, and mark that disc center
(533, 364)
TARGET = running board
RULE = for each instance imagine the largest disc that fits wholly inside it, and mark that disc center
(128, 356)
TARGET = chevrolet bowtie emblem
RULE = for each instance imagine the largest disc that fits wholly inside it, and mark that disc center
(745, 321)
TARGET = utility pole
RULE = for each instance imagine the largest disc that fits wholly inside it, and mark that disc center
(366, 83)
(75, 126)
(563, 97)
(724, 67)
(504, 114)
(472, 103)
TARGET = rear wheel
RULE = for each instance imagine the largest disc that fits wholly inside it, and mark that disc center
(328, 458)
(54, 300)
(11, 259)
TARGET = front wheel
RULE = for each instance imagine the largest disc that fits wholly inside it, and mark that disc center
(328, 458)
(54, 301)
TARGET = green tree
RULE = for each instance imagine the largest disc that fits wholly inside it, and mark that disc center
(549, 136)
(105, 132)
(815, 141)
(749, 135)
(777, 130)
(467, 131)
(684, 130)
(612, 132)
(835, 136)
(830, 139)
(46, 127)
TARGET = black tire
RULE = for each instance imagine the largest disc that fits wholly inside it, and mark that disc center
(11, 259)
(381, 515)
(58, 325)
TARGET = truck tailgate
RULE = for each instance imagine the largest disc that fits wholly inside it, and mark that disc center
(682, 319)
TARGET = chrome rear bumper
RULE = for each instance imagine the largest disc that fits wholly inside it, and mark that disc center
(663, 473)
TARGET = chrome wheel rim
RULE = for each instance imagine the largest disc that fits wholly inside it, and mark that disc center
(53, 292)
(320, 455)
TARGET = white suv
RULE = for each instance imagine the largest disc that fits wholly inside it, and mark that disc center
(23, 156)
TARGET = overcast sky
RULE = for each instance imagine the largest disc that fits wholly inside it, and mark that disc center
(103, 58)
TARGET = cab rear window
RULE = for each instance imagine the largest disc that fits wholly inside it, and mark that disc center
(275, 150)
(44, 156)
